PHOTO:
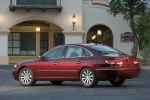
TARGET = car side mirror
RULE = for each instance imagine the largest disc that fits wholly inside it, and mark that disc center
(41, 57)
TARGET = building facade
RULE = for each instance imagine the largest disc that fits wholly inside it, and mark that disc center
(19, 19)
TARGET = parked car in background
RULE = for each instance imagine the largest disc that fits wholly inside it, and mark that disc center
(88, 63)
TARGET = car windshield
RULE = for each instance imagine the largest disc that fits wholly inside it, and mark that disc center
(104, 50)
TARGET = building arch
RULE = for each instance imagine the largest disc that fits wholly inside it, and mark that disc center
(106, 37)
(25, 42)
(34, 18)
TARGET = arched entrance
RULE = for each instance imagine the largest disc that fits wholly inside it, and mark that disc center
(105, 35)
(25, 42)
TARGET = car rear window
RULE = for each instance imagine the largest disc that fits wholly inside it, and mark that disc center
(104, 50)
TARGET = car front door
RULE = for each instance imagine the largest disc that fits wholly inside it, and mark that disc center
(48, 66)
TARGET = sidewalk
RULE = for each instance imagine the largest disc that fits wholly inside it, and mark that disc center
(145, 67)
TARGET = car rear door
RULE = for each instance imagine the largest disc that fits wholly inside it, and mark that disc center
(71, 63)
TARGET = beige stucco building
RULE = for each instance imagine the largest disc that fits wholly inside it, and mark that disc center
(19, 19)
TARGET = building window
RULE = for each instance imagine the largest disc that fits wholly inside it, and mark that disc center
(43, 42)
(59, 39)
(22, 44)
(36, 2)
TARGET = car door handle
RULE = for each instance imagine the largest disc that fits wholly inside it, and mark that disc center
(78, 62)
(55, 63)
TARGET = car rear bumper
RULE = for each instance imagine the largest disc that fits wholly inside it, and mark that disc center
(127, 73)
(122, 73)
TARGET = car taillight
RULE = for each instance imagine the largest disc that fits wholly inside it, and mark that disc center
(135, 61)
(118, 62)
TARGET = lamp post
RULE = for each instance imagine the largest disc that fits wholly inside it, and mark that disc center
(74, 20)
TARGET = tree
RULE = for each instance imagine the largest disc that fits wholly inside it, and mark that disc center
(144, 45)
(136, 13)
(145, 41)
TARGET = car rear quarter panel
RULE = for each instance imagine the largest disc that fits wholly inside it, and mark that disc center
(97, 65)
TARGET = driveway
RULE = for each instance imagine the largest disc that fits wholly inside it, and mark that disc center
(133, 89)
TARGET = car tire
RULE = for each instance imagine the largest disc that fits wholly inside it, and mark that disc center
(88, 77)
(26, 77)
(56, 82)
(117, 82)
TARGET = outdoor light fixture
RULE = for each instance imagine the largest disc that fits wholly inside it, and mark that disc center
(99, 32)
(38, 29)
(74, 20)
(95, 37)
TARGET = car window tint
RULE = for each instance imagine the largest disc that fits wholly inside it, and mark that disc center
(55, 53)
(73, 51)
(102, 49)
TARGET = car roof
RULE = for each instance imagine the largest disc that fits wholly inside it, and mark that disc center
(83, 45)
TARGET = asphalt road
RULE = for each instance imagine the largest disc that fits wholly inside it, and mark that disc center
(133, 89)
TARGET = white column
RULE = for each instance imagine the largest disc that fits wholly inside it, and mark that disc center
(73, 37)
(4, 59)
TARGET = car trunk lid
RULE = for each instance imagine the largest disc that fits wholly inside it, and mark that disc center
(122, 60)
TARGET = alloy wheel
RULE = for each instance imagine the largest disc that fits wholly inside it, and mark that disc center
(87, 77)
(26, 77)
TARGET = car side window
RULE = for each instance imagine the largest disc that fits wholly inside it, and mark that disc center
(73, 52)
(87, 53)
(55, 53)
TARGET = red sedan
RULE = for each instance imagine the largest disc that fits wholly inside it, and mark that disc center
(88, 63)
